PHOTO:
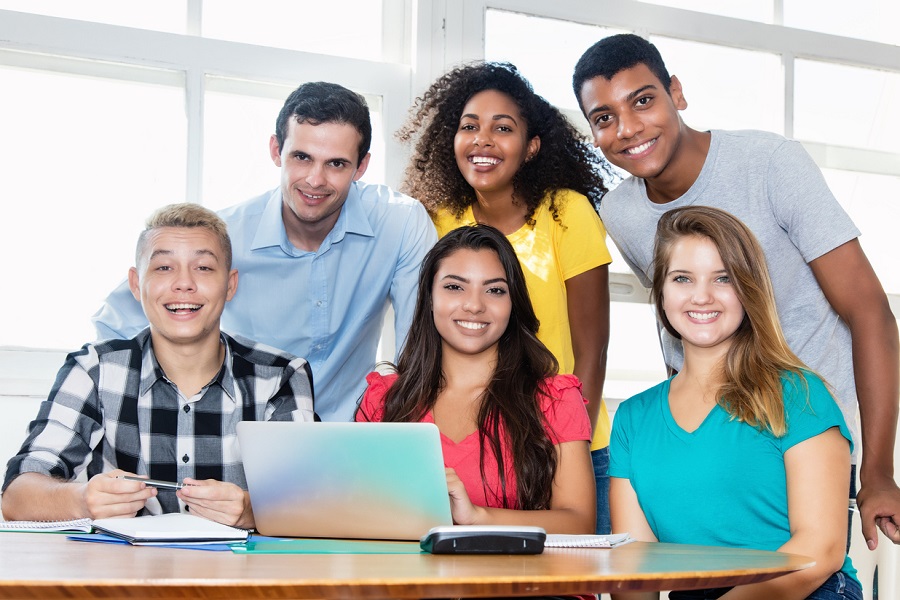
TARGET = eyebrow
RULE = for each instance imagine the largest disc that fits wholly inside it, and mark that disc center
(341, 159)
(200, 252)
(494, 118)
(485, 282)
(629, 98)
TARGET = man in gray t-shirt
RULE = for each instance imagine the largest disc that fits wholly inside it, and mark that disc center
(833, 310)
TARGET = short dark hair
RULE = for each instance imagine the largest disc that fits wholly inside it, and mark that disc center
(616, 53)
(320, 102)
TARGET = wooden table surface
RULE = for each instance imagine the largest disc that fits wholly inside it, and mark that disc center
(50, 566)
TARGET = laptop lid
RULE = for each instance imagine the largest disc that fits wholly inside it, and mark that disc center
(345, 480)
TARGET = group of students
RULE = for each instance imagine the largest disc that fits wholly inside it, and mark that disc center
(503, 326)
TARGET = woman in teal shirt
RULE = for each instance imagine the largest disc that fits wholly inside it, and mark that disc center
(745, 447)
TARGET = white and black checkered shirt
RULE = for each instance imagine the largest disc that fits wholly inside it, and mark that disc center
(112, 407)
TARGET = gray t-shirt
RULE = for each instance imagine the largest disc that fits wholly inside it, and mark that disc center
(775, 188)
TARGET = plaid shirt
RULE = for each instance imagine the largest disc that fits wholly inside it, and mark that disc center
(113, 408)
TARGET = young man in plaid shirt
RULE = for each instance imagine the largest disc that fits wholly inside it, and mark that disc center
(164, 404)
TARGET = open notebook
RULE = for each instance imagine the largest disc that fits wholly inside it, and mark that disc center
(178, 528)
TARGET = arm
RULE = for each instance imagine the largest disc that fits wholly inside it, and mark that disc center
(627, 515)
(39, 497)
(121, 316)
(853, 289)
(572, 505)
(419, 236)
(588, 306)
(816, 471)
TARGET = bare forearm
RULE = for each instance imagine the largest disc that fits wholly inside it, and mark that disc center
(560, 520)
(37, 497)
(592, 375)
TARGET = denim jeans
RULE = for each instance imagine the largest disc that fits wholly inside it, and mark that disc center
(600, 458)
(836, 587)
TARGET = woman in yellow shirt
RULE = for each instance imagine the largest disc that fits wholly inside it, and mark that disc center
(488, 149)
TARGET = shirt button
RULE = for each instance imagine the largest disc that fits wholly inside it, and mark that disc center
(185, 458)
(187, 408)
(319, 303)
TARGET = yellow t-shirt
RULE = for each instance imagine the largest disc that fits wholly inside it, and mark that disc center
(550, 253)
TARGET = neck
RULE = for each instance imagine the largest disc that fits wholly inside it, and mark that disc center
(306, 236)
(703, 366)
(683, 169)
(468, 371)
(189, 366)
(499, 210)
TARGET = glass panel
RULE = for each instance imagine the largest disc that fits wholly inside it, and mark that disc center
(746, 91)
(511, 37)
(351, 28)
(87, 160)
(872, 202)
(874, 20)
(237, 165)
(849, 106)
(169, 16)
(752, 10)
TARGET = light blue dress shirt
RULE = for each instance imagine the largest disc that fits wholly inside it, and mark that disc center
(326, 306)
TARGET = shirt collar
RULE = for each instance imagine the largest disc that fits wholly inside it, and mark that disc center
(151, 372)
(271, 231)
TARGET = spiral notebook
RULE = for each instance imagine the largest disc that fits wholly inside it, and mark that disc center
(83, 525)
(558, 540)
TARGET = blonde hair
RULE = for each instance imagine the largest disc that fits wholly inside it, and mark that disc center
(759, 355)
(186, 214)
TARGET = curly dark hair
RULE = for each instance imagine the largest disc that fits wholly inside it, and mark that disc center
(565, 160)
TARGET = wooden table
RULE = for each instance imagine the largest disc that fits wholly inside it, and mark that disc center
(50, 566)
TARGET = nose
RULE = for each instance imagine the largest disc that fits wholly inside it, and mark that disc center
(473, 303)
(701, 294)
(184, 281)
(630, 125)
(483, 138)
(315, 177)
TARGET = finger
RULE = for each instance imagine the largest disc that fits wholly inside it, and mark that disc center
(869, 529)
(889, 528)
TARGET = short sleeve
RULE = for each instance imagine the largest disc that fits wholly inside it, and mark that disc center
(371, 407)
(565, 414)
(619, 442)
(810, 410)
(582, 239)
(804, 205)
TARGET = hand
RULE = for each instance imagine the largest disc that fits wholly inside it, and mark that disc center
(461, 508)
(218, 501)
(107, 496)
(879, 505)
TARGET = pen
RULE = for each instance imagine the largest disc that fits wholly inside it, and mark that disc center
(167, 485)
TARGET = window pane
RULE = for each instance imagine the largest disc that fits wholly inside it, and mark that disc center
(237, 165)
(746, 90)
(169, 16)
(511, 37)
(351, 28)
(874, 20)
(87, 160)
(752, 10)
(634, 360)
(849, 106)
(872, 202)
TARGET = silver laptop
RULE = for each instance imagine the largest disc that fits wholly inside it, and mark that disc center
(345, 480)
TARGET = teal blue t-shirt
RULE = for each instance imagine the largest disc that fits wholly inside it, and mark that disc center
(724, 483)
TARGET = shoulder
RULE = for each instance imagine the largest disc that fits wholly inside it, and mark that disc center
(118, 351)
(381, 199)
(379, 383)
(754, 142)
(644, 401)
(261, 355)
(247, 209)
(561, 385)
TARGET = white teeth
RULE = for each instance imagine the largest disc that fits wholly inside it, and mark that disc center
(485, 160)
(471, 325)
(704, 316)
(641, 148)
(183, 306)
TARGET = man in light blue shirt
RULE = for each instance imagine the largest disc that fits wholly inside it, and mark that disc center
(319, 257)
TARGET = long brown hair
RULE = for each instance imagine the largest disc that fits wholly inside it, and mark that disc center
(759, 355)
(511, 402)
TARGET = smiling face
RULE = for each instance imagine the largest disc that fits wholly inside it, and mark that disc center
(183, 283)
(470, 302)
(318, 165)
(491, 143)
(634, 121)
(699, 298)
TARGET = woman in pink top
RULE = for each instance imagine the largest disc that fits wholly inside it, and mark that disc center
(515, 434)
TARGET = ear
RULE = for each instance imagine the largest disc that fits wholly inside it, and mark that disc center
(363, 165)
(534, 146)
(677, 94)
(274, 151)
(232, 285)
(134, 283)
